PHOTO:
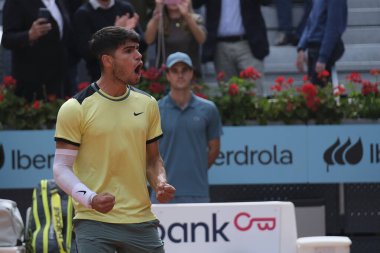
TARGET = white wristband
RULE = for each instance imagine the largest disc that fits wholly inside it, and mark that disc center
(83, 195)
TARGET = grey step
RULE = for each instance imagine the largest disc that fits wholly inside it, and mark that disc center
(364, 16)
(360, 57)
(356, 16)
(362, 35)
(357, 57)
(281, 60)
(270, 16)
(363, 3)
(353, 35)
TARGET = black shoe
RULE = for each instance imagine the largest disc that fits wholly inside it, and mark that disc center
(286, 39)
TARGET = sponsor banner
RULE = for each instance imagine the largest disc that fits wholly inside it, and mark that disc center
(26, 157)
(261, 154)
(344, 154)
(249, 155)
(227, 227)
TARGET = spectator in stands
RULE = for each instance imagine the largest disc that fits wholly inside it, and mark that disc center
(97, 14)
(192, 130)
(237, 36)
(322, 38)
(181, 30)
(38, 44)
(284, 9)
(74, 56)
(144, 8)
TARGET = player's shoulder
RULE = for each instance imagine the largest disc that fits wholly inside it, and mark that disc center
(140, 93)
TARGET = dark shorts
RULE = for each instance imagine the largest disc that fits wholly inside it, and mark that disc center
(94, 236)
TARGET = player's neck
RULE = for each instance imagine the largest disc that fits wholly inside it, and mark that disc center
(114, 89)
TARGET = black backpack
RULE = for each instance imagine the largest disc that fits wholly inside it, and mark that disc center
(49, 229)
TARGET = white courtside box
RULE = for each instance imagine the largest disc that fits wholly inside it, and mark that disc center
(17, 249)
(324, 244)
(245, 227)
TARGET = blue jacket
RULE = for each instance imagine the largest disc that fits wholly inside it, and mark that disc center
(326, 23)
(253, 23)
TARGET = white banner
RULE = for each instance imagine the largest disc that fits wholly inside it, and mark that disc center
(227, 227)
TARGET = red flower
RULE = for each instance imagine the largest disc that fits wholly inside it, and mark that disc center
(156, 87)
(312, 103)
(250, 72)
(279, 80)
(201, 95)
(369, 88)
(305, 78)
(1, 97)
(151, 74)
(276, 87)
(9, 81)
(339, 90)
(354, 77)
(83, 85)
(36, 105)
(290, 81)
(220, 76)
(309, 90)
(233, 89)
(375, 72)
(323, 74)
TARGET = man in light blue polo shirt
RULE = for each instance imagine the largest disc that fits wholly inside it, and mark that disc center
(192, 130)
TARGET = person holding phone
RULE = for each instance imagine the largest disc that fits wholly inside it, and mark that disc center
(36, 32)
(96, 14)
(41, 26)
(175, 27)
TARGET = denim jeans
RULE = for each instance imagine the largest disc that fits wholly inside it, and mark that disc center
(313, 55)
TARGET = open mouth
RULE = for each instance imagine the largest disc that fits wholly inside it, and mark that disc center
(138, 69)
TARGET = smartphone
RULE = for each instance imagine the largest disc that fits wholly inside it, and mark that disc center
(172, 1)
(44, 13)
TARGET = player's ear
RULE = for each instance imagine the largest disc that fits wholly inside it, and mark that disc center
(107, 60)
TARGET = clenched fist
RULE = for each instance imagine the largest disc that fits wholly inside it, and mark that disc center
(103, 202)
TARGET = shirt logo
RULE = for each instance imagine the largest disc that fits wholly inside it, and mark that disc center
(84, 192)
(137, 113)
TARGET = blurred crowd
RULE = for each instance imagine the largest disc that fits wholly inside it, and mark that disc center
(49, 38)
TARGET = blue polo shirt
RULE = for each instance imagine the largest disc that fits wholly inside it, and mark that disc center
(184, 144)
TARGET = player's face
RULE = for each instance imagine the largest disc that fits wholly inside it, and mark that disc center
(127, 63)
(180, 76)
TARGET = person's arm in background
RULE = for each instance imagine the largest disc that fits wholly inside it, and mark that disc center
(156, 174)
(15, 33)
(213, 151)
(152, 27)
(214, 132)
(301, 48)
(195, 26)
(335, 26)
(130, 20)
